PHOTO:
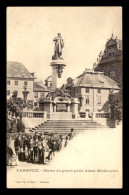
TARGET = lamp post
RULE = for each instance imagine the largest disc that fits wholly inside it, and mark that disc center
(25, 93)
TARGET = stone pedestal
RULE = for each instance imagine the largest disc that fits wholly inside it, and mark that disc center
(68, 108)
(74, 107)
(57, 69)
(54, 108)
(61, 115)
(46, 106)
(94, 116)
(87, 113)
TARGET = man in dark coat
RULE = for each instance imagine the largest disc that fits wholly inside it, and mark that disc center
(40, 150)
(66, 141)
(36, 149)
(35, 136)
(54, 148)
(71, 135)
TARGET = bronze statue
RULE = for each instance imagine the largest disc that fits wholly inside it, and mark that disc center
(62, 92)
(59, 44)
(59, 92)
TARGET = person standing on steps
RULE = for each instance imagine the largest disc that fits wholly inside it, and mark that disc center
(71, 134)
(44, 149)
(66, 141)
(31, 152)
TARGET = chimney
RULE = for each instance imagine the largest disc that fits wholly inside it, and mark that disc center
(32, 74)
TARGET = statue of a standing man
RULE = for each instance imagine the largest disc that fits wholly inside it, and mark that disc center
(59, 44)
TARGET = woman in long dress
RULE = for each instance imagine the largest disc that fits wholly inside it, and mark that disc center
(44, 149)
(11, 155)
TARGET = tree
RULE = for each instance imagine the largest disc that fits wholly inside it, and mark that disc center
(115, 107)
(15, 106)
(20, 126)
(8, 125)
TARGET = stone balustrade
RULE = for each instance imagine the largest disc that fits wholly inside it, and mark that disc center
(42, 114)
(94, 115)
(102, 115)
(34, 114)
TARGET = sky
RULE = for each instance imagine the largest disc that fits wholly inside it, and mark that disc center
(85, 30)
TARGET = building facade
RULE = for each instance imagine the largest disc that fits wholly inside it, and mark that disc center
(110, 61)
(92, 90)
(19, 78)
(39, 93)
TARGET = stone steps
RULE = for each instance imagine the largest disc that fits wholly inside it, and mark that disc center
(64, 126)
(70, 121)
(80, 129)
(82, 122)
(65, 132)
(69, 127)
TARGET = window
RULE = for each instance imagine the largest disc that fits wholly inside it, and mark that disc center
(16, 82)
(112, 73)
(87, 90)
(35, 104)
(87, 110)
(8, 92)
(99, 110)
(98, 90)
(109, 54)
(36, 95)
(25, 82)
(98, 100)
(42, 95)
(87, 100)
(8, 82)
(50, 84)
(46, 83)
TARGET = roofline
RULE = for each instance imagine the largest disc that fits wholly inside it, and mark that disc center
(35, 90)
(20, 78)
(48, 77)
(92, 72)
(95, 87)
(79, 75)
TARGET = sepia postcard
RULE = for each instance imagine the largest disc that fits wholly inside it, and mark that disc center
(64, 97)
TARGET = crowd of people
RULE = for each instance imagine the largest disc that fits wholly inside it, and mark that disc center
(37, 148)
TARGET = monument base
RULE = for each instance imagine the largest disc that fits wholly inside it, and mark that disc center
(58, 62)
(57, 69)
(61, 115)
